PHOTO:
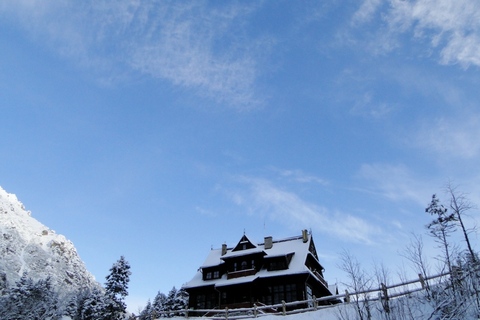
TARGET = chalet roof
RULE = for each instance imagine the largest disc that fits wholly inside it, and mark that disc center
(295, 246)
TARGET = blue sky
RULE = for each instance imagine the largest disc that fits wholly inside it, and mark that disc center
(157, 130)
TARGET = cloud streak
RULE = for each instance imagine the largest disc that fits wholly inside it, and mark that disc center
(188, 44)
(451, 138)
(287, 208)
(394, 182)
(451, 27)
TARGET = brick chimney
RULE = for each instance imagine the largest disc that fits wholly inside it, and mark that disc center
(268, 242)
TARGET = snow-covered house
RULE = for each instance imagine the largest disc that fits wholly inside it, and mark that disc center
(264, 273)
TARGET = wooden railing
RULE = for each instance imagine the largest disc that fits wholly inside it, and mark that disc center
(240, 273)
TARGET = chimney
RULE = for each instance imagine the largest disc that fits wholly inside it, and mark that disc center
(224, 249)
(268, 242)
(304, 235)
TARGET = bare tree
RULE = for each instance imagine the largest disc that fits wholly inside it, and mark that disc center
(414, 252)
(459, 204)
(382, 276)
(360, 282)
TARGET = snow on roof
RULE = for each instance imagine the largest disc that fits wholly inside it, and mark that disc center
(280, 248)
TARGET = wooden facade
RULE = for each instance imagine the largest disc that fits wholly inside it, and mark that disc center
(266, 273)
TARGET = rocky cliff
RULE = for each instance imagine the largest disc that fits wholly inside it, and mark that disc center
(26, 245)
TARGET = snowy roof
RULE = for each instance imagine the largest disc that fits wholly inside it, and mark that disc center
(295, 246)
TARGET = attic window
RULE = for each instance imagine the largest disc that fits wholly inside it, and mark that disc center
(244, 244)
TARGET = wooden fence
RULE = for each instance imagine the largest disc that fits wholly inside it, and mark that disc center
(383, 293)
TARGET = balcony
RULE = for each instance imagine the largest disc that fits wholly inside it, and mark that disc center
(241, 273)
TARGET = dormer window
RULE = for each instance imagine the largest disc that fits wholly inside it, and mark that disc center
(279, 262)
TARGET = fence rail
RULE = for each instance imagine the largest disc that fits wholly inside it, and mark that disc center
(383, 293)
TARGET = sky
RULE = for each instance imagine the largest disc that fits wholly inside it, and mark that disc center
(159, 130)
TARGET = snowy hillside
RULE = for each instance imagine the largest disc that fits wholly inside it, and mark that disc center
(26, 245)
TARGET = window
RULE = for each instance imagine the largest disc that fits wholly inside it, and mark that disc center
(277, 294)
(287, 292)
(290, 292)
(277, 264)
(244, 265)
(216, 274)
(208, 276)
(309, 296)
(201, 301)
(253, 264)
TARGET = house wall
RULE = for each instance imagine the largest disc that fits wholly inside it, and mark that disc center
(272, 290)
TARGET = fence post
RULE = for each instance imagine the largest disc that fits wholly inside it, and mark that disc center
(315, 302)
(422, 280)
(226, 313)
(386, 307)
(284, 308)
(347, 296)
(255, 310)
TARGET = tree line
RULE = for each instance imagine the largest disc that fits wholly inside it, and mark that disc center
(39, 300)
(165, 305)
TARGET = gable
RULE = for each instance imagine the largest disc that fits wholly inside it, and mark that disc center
(312, 249)
(244, 244)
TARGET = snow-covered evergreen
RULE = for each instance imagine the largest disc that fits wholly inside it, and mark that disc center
(116, 289)
(30, 300)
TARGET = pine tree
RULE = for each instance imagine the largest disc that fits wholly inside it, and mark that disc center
(170, 303)
(29, 300)
(116, 288)
(442, 226)
(181, 301)
(71, 307)
(91, 305)
(159, 304)
(146, 313)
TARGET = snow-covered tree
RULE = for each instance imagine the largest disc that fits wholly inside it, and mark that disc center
(91, 305)
(181, 301)
(116, 288)
(147, 312)
(159, 304)
(170, 303)
(441, 227)
(29, 300)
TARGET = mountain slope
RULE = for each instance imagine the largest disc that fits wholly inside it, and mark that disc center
(26, 245)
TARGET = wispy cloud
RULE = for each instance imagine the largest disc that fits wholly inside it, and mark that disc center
(451, 27)
(190, 44)
(301, 177)
(366, 11)
(286, 207)
(394, 182)
(451, 137)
